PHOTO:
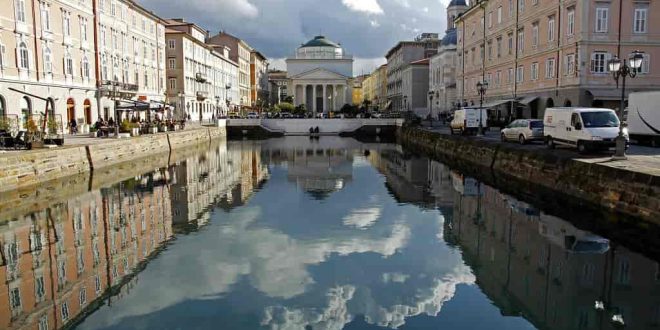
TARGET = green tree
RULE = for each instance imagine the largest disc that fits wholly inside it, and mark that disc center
(286, 107)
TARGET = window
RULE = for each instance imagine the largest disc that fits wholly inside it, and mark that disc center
(113, 8)
(499, 15)
(640, 19)
(45, 16)
(103, 39)
(646, 64)
(20, 11)
(83, 29)
(570, 21)
(172, 63)
(521, 40)
(48, 61)
(65, 310)
(569, 64)
(172, 83)
(171, 43)
(599, 62)
(534, 71)
(551, 28)
(23, 57)
(535, 2)
(550, 68)
(66, 23)
(43, 322)
(15, 299)
(498, 77)
(510, 36)
(602, 14)
(490, 50)
(82, 296)
(490, 19)
(535, 34)
(68, 64)
(520, 74)
(510, 8)
(39, 288)
(499, 46)
(521, 5)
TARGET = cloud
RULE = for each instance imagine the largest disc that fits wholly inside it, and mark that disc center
(366, 6)
(362, 218)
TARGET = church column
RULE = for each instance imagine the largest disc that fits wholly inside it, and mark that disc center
(314, 99)
(304, 95)
(325, 99)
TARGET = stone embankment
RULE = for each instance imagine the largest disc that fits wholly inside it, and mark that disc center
(25, 169)
(549, 177)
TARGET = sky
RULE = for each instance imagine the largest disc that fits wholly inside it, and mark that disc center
(367, 29)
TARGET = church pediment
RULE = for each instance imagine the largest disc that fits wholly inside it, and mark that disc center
(319, 73)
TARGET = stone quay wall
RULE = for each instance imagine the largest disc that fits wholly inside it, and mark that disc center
(25, 169)
(546, 176)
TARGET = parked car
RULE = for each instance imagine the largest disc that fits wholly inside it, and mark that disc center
(523, 131)
(252, 115)
(466, 120)
(586, 129)
(644, 118)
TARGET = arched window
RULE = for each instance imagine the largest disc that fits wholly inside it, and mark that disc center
(48, 61)
(23, 56)
(26, 109)
(51, 108)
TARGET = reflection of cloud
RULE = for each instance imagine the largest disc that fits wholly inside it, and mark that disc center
(334, 316)
(395, 277)
(362, 218)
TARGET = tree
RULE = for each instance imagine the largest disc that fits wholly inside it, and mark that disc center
(349, 110)
(285, 107)
(300, 110)
(288, 99)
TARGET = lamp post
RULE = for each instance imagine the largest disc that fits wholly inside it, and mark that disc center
(405, 102)
(622, 69)
(430, 108)
(481, 88)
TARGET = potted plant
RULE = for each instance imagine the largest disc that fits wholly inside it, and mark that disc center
(32, 136)
(135, 129)
(153, 128)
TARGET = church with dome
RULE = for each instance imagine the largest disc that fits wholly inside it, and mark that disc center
(320, 75)
(443, 65)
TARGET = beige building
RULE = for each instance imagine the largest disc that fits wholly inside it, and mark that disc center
(239, 52)
(259, 94)
(541, 53)
(47, 53)
(200, 76)
(405, 52)
(131, 59)
(415, 87)
(375, 88)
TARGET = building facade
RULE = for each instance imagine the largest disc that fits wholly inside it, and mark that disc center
(405, 52)
(415, 87)
(259, 87)
(320, 76)
(239, 52)
(47, 57)
(200, 76)
(542, 53)
(131, 58)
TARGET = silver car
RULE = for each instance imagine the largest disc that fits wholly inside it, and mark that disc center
(523, 131)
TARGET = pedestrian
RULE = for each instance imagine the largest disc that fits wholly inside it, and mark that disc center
(74, 126)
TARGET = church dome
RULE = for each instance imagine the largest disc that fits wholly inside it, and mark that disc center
(320, 41)
(450, 38)
(457, 3)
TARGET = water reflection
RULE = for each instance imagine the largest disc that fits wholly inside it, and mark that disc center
(299, 234)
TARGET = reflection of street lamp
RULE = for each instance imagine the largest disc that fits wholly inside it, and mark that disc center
(622, 69)
(405, 102)
(181, 102)
(430, 108)
(481, 88)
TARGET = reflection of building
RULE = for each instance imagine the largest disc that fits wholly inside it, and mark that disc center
(529, 264)
(320, 172)
(57, 261)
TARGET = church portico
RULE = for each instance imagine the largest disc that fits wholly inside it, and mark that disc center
(320, 96)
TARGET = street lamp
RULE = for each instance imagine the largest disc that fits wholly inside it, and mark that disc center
(481, 88)
(405, 102)
(623, 69)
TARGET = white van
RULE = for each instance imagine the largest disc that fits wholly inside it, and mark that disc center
(584, 128)
(466, 120)
(644, 118)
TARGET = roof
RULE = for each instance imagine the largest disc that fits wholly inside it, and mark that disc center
(457, 3)
(421, 62)
(450, 38)
(403, 43)
(320, 41)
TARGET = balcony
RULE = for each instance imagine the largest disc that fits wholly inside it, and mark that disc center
(202, 95)
(200, 77)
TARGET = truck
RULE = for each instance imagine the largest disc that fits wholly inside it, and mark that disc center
(466, 120)
(644, 118)
(587, 129)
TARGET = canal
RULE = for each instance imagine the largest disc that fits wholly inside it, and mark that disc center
(298, 233)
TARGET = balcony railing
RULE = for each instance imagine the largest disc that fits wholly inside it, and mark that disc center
(202, 95)
(200, 77)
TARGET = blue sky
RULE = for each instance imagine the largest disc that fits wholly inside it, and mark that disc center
(366, 28)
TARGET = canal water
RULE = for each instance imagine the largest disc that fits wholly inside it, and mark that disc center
(326, 233)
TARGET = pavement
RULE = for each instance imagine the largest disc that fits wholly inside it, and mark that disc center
(640, 158)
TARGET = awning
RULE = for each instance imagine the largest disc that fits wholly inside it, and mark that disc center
(528, 99)
(132, 106)
(606, 94)
(493, 104)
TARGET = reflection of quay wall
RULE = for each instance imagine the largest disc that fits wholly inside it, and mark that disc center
(61, 260)
(524, 271)
(29, 168)
(552, 173)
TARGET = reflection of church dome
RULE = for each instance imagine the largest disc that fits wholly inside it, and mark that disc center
(449, 38)
(321, 188)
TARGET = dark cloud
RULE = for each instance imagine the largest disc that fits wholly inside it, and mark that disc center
(277, 27)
